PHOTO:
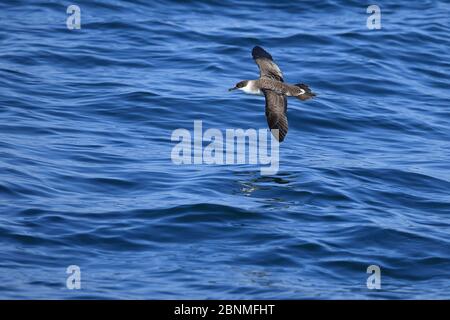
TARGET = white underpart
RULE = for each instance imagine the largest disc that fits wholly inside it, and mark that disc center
(301, 92)
(250, 88)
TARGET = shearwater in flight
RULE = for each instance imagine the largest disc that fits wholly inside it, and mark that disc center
(272, 86)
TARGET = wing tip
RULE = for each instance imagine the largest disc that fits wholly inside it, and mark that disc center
(279, 134)
(259, 52)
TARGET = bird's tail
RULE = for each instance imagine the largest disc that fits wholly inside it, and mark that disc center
(308, 93)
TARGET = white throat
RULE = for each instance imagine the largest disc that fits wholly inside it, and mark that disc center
(250, 88)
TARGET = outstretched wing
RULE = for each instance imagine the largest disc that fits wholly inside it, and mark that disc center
(276, 107)
(267, 68)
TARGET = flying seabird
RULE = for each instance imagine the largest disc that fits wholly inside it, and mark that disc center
(272, 86)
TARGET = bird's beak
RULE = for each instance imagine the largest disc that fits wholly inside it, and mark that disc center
(231, 89)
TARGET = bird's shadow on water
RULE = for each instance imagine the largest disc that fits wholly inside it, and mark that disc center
(251, 182)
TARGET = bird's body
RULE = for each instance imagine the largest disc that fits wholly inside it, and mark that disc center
(271, 84)
(258, 86)
(252, 87)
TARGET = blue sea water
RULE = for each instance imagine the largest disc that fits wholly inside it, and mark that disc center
(86, 176)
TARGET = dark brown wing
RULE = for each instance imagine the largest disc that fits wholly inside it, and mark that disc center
(276, 107)
(267, 68)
